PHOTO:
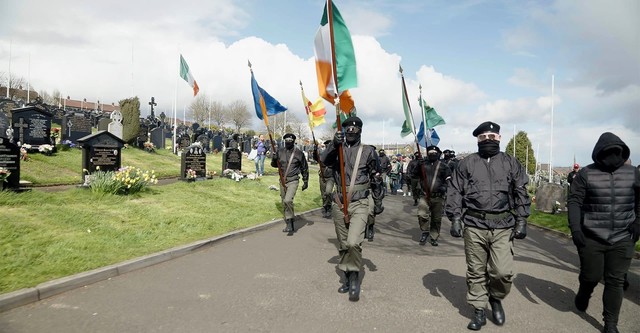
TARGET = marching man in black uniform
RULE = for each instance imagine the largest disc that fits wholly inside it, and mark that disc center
(492, 186)
(430, 210)
(292, 165)
(362, 176)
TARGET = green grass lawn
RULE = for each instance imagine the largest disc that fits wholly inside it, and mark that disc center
(46, 235)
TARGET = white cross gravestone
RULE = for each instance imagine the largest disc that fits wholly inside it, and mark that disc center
(115, 127)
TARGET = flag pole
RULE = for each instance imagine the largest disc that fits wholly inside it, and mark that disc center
(265, 118)
(175, 109)
(424, 121)
(343, 184)
(413, 128)
(316, 155)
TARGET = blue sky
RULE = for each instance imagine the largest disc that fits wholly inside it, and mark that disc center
(476, 60)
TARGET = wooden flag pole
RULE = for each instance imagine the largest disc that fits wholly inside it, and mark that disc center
(316, 155)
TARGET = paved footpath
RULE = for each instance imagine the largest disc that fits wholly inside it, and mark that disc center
(265, 281)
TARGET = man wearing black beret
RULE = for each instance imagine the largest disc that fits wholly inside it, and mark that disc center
(362, 178)
(492, 186)
(292, 164)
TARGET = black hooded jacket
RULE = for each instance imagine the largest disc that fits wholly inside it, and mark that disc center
(605, 196)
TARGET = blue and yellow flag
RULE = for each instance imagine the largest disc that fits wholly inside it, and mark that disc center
(264, 103)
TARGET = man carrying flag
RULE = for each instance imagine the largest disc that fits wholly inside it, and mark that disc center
(362, 173)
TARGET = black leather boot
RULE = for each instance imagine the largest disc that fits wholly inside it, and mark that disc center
(610, 328)
(498, 311)
(479, 319)
(293, 229)
(415, 202)
(344, 288)
(584, 293)
(287, 228)
(423, 237)
(354, 291)
(369, 232)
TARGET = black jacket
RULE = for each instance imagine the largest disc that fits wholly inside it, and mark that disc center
(364, 172)
(298, 166)
(493, 185)
(436, 182)
(604, 199)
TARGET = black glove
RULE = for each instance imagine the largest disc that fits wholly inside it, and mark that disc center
(578, 239)
(635, 230)
(338, 138)
(305, 185)
(520, 230)
(378, 208)
(456, 228)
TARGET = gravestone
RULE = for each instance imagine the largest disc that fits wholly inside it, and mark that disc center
(246, 146)
(115, 126)
(102, 149)
(232, 159)
(6, 105)
(58, 115)
(194, 158)
(547, 194)
(103, 124)
(204, 141)
(4, 126)
(75, 126)
(157, 137)
(31, 125)
(184, 141)
(143, 135)
(10, 160)
(217, 143)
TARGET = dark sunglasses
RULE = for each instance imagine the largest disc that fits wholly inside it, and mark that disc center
(352, 129)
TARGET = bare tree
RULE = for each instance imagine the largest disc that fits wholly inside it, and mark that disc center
(239, 114)
(218, 113)
(199, 109)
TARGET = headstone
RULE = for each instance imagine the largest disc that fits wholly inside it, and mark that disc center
(10, 160)
(194, 158)
(157, 137)
(184, 141)
(204, 141)
(143, 135)
(217, 143)
(102, 149)
(246, 146)
(31, 125)
(232, 159)
(103, 124)
(76, 126)
(58, 115)
(4, 126)
(550, 198)
(115, 126)
(6, 105)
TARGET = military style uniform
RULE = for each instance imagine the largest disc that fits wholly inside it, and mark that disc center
(492, 187)
(292, 164)
(430, 211)
(361, 174)
(325, 176)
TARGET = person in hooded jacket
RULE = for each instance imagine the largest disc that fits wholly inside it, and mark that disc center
(604, 218)
(431, 202)
(362, 178)
(488, 204)
(292, 164)
(414, 181)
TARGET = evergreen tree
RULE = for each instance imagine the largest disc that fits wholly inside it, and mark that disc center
(130, 109)
(522, 146)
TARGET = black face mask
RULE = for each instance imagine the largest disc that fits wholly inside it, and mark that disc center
(432, 157)
(288, 145)
(611, 159)
(488, 148)
(352, 138)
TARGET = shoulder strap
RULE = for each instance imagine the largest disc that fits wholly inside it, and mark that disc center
(286, 173)
(354, 172)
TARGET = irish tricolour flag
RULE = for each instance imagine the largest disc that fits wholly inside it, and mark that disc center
(345, 66)
(185, 73)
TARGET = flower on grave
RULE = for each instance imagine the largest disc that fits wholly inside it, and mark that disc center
(4, 174)
(26, 146)
(24, 154)
(149, 146)
(45, 149)
(68, 143)
(55, 133)
(190, 174)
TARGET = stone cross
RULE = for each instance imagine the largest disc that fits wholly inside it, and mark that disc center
(69, 124)
(152, 103)
(21, 126)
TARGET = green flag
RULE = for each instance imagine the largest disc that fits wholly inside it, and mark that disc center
(407, 126)
(431, 117)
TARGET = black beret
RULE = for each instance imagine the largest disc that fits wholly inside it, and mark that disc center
(327, 142)
(352, 121)
(433, 148)
(487, 126)
(289, 135)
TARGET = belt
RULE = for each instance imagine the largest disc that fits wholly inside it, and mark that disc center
(487, 215)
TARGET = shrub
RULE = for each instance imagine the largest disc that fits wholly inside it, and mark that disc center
(127, 180)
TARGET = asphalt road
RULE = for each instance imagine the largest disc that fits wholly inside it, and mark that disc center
(266, 281)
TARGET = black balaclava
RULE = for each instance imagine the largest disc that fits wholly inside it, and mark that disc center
(488, 148)
(352, 138)
(289, 145)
